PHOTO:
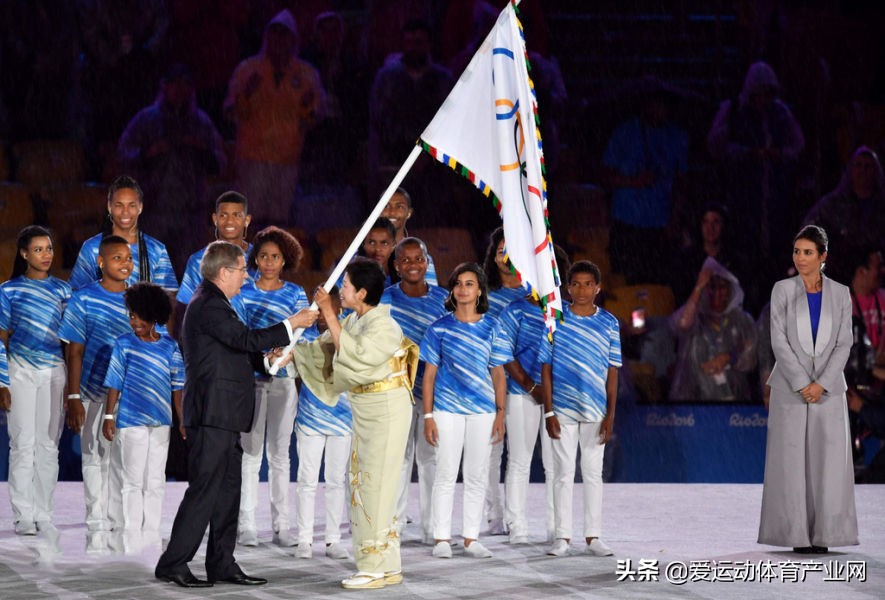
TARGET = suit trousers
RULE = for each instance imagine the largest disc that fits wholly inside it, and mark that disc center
(212, 499)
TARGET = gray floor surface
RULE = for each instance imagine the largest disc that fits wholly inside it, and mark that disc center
(683, 535)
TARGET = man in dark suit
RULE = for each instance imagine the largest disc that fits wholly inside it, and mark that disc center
(220, 356)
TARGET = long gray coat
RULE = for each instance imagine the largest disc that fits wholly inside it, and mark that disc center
(808, 496)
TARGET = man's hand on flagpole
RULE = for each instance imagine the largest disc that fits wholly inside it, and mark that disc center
(303, 319)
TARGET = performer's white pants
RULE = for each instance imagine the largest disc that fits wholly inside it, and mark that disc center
(494, 503)
(524, 419)
(139, 455)
(472, 435)
(275, 407)
(572, 435)
(310, 456)
(417, 449)
(101, 485)
(34, 423)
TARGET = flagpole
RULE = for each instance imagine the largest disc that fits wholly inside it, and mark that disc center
(355, 244)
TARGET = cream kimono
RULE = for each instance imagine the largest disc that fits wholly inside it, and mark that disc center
(381, 420)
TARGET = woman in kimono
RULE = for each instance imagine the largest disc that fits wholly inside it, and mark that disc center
(365, 354)
(808, 496)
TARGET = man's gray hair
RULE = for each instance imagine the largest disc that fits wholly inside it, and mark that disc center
(219, 255)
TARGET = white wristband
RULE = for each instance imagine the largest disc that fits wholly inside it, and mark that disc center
(74, 396)
(428, 416)
(109, 417)
(547, 415)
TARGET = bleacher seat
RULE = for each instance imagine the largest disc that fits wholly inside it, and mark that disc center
(333, 243)
(16, 205)
(657, 300)
(49, 162)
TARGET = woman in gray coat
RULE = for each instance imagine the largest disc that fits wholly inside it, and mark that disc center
(808, 496)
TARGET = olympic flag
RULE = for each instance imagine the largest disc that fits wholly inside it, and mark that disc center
(487, 131)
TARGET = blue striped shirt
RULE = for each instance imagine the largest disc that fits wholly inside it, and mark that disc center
(414, 316)
(500, 298)
(95, 318)
(32, 310)
(463, 354)
(4, 367)
(86, 268)
(523, 324)
(314, 416)
(267, 308)
(583, 350)
(145, 374)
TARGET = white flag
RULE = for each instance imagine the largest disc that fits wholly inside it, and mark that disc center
(487, 130)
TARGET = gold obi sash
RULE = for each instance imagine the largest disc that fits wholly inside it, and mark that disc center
(403, 368)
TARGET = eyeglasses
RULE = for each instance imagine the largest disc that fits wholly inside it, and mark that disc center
(243, 269)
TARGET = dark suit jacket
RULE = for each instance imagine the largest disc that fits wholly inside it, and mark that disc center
(220, 357)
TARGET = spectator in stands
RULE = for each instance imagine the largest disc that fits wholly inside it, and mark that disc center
(758, 141)
(343, 74)
(716, 240)
(406, 93)
(872, 413)
(206, 36)
(173, 146)
(642, 165)
(717, 340)
(273, 98)
(867, 294)
(853, 214)
(122, 43)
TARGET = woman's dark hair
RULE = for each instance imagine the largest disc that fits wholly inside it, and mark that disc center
(149, 302)
(585, 266)
(816, 235)
(482, 305)
(366, 274)
(126, 182)
(289, 247)
(385, 223)
(489, 267)
(23, 242)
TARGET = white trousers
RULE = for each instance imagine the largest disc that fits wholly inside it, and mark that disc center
(34, 424)
(574, 434)
(275, 408)
(470, 435)
(417, 449)
(310, 456)
(494, 503)
(139, 455)
(101, 485)
(524, 420)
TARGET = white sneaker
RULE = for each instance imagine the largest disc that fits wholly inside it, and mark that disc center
(284, 538)
(442, 550)
(559, 548)
(337, 551)
(518, 539)
(25, 528)
(248, 537)
(497, 527)
(303, 550)
(598, 548)
(477, 550)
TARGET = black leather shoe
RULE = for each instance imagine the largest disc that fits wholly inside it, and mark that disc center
(187, 580)
(804, 550)
(243, 579)
(819, 549)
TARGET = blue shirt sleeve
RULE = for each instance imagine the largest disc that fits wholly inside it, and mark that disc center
(113, 379)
